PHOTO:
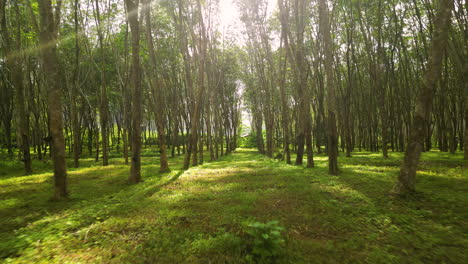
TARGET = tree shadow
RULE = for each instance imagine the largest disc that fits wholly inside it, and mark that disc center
(153, 189)
(168, 212)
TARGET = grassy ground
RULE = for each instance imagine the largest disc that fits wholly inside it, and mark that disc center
(201, 215)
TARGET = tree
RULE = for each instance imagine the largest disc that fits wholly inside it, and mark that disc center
(332, 147)
(103, 105)
(74, 91)
(158, 97)
(49, 22)
(465, 142)
(282, 79)
(254, 17)
(198, 102)
(14, 63)
(296, 51)
(132, 16)
(407, 177)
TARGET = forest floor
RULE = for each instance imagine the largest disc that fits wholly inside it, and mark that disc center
(202, 215)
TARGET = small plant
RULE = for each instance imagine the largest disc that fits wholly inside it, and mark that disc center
(265, 241)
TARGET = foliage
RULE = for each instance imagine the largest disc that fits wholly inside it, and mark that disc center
(265, 241)
(248, 141)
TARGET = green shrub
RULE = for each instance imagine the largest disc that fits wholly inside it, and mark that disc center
(264, 242)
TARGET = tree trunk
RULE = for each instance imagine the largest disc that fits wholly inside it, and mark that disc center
(74, 93)
(22, 116)
(332, 147)
(103, 104)
(132, 16)
(465, 141)
(126, 102)
(48, 34)
(23, 126)
(284, 102)
(158, 96)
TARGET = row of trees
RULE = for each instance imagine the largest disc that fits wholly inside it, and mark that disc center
(87, 78)
(375, 75)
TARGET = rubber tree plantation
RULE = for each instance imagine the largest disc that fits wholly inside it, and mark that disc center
(233, 131)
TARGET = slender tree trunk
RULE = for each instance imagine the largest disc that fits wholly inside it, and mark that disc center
(126, 102)
(193, 142)
(132, 16)
(209, 136)
(284, 102)
(74, 93)
(18, 82)
(259, 133)
(200, 147)
(349, 86)
(164, 166)
(23, 127)
(196, 116)
(6, 95)
(465, 141)
(175, 139)
(90, 138)
(103, 104)
(325, 30)
(96, 141)
(48, 34)
(309, 143)
(380, 84)
(407, 178)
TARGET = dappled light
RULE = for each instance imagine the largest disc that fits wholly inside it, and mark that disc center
(204, 202)
(108, 218)
(233, 131)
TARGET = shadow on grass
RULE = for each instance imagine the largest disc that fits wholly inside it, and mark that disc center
(345, 218)
(28, 215)
(153, 189)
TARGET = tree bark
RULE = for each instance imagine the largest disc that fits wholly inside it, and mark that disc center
(332, 147)
(158, 96)
(22, 117)
(48, 39)
(132, 16)
(282, 82)
(103, 104)
(74, 93)
(465, 141)
(18, 81)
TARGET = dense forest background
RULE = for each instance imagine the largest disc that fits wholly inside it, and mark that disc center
(106, 72)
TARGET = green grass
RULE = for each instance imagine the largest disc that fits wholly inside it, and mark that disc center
(200, 215)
